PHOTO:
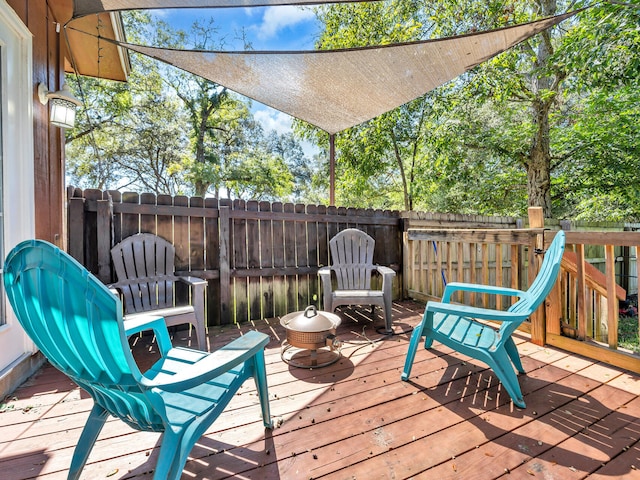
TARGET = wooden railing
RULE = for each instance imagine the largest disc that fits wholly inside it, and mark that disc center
(581, 313)
(595, 299)
(435, 257)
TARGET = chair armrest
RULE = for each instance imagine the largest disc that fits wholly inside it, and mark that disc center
(387, 279)
(324, 272)
(325, 276)
(192, 281)
(384, 271)
(141, 323)
(475, 312)
(473, 287)
(210, 366)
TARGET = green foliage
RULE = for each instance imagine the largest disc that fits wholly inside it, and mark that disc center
(167, 131)
(260, 177)
(601, 51)
(601, 157)
(628, 333)
(128, 135)
(553, 120)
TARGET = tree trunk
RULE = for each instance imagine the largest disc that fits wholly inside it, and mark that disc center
(200, 186)
(408, 204)
(539, 162)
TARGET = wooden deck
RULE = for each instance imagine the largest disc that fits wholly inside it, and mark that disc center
(355, 419)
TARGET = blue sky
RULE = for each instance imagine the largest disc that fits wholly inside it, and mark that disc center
(267, 28)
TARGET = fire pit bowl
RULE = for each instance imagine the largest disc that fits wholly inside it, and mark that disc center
(308, 333)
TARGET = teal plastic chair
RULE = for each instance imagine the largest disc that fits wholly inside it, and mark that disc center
(457, 326)
(77, 324)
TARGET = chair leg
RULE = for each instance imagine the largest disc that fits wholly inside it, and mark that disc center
(500, 364)
(512, 351)
(423, 329)
(387, 317)
(260, 377)
(411, 353)
(202, 336)
(90, 432)
(171, 459)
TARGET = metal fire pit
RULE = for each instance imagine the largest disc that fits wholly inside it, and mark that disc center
(311, 338)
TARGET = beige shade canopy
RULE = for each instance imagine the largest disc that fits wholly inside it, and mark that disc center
(337, 89)
(86, 7)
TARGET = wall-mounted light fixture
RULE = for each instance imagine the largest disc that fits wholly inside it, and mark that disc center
(63, 105)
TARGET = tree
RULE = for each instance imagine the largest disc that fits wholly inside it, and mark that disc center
(503, 117)
(371, 153)
(168, 131)
(128, 135)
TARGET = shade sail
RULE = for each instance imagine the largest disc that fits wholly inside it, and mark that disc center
(337, 89)
(86, 7)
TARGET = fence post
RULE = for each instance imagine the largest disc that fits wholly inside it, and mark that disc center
(536, 220)
(76, 233)
(103, 231)
(553, 303)
(225, 275)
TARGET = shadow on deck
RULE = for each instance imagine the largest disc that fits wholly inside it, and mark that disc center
(355, 419)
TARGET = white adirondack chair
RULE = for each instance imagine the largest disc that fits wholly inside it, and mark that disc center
(144, 265)
(352, 264)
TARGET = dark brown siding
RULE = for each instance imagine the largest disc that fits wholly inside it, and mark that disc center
(48, 140)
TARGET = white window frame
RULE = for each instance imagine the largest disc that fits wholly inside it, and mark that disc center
(18, 215)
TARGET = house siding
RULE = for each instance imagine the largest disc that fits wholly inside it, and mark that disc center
(48, 67)
(48, 150)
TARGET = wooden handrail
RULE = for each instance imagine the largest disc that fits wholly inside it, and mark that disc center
(594, 278)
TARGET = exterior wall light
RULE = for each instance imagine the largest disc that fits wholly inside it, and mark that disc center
(63, 105)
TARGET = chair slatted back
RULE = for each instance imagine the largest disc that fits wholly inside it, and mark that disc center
(545, 279)
(145, 262)
(77, 324)
(352, 259)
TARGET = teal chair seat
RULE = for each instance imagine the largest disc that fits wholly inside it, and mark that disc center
(465, 329)
(77, 324)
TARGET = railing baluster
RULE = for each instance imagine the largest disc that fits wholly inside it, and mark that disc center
(582, 294)
(612, 302)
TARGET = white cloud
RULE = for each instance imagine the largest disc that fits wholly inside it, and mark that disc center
(271, 119)
(278, 18)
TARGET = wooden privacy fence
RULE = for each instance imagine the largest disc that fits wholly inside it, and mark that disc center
(260, 259)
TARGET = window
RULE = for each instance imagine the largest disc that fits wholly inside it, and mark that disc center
(3, 317)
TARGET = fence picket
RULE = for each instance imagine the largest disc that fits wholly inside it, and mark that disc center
(212, 261)
(239, 261)
(253, 262)
(279, 281)
(266, 261)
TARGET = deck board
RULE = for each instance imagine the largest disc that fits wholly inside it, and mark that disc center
(355, 419)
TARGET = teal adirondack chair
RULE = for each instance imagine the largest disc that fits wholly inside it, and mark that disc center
(457, 327)
(77, 324)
